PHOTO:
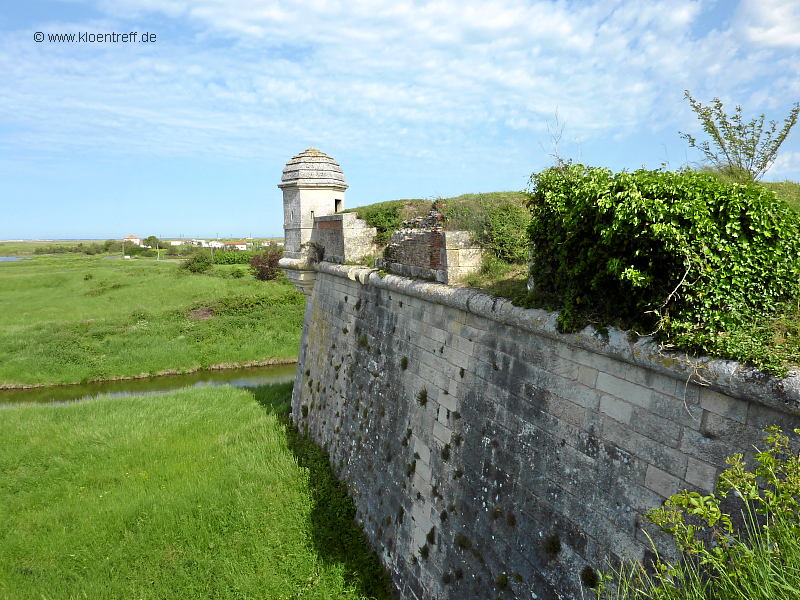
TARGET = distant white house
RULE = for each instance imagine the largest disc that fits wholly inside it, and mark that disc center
(177, 242)
(216, 244)
(132, 239)
(270, 243)
(237, 245)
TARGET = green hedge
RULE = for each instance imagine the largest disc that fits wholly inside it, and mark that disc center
(233, 257)
(682, 253)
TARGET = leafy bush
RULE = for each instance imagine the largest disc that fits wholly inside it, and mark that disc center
(233, 257)
(683, 253)
(265, 265)
(199, 262)
(505, 231)
(756, 560)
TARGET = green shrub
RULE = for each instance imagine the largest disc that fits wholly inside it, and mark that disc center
(265, 265)
(233, 257)
(683, 253)
(197, 263)
(506, 232)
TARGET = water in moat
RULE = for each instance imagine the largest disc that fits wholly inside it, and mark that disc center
(246, 377)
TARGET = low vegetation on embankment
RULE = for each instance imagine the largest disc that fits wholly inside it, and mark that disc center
(66, 319)
(196, 494)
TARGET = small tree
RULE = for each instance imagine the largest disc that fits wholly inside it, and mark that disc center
(152, 241)
(743, 151)
(265, 265)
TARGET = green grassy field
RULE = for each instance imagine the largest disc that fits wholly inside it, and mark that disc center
(67, 319)
(202, 493)
(27, 247)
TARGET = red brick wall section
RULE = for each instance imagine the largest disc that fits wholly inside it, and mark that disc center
(334, 225)
(437, 243)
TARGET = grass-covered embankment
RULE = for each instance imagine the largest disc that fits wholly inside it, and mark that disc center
(196, 494)
(497, 219)
(69, 319)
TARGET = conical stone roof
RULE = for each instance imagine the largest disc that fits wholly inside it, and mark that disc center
(312, 168)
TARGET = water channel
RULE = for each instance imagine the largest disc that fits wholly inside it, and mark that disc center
(10, 258)
(249, 377)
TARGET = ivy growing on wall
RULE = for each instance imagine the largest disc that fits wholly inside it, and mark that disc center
(697, 261)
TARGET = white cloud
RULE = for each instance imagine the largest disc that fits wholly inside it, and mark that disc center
(232, 77)
(770, 22)
(787, 163)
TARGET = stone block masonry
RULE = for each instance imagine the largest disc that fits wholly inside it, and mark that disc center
(490, 456)
(343, 237)
(422, 248)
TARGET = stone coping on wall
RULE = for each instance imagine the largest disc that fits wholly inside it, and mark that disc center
(725, 376)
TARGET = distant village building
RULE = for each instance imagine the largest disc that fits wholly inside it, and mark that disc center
(132, 239)
(216, 244)
(237, 245)
(177, 242)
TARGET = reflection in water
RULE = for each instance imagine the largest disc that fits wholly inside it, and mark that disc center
(250, 377)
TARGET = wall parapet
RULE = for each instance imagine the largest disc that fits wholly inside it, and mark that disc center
(726, 376)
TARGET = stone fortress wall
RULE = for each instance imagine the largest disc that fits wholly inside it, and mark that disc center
(489, 455)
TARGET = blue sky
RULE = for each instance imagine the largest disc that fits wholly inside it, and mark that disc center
(188, 134)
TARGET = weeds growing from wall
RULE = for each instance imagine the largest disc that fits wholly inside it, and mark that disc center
(755, 561)
(422, 397)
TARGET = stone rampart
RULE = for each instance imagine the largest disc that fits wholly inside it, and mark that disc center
(343, 237)
(489, 455)
(422, 248)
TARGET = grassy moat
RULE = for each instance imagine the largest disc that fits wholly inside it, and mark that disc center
(202, 493)
(199, 493)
